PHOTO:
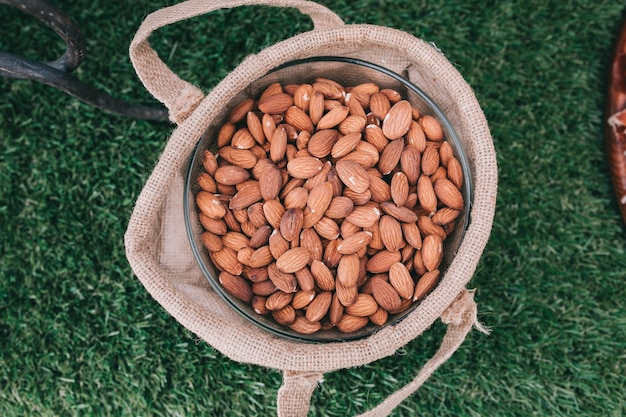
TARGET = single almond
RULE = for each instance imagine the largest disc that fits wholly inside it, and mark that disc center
(379, 189)
(230, 175)
(242, 139)
(352, 175)
(276, 103)
(345, 145)
(412, 235)
(401, 213)
(261, 237)
(392, 95)
(381, 261)
(323, 276)
(445, 153)
(243, 158)
(261, 257)
(236, 286)
(285, 282)
(455, 172)
(264, 288)
(432, 252)
(327, 228)
(364, 216)
(211, 242)
(336, 310)
(425, 284)
(296, 198)
(311, 240)
(375, 136)
(226, 260)
(270, 90)
(285, 316)
(299, 119)
(278, 144)
(319, 199)
(270, 181)
(430, 160)
(410, 163)
(246, 196)
(333, 118)
(390, 156)
(379, 105)
(316, 107)
(426, 194)
(364, 306)
(291, 223)
(401, 280)
(209, 162)
(390, 233)
(258, 305)
(255, 274)
(379, 317)
(340, 207)
(448, 194)
(210, 205)
(318, 308)
(303, 326)
(399, 188)
(278, 244)
(348, 270)
(398, 120)
(274, 211)
(278, 300)
(305, 279)
(304, 167)
(354, 104)
(431, 127)
(416, 137)
(255, 127)
(235, 240)
(347, 294)
(385, 295)
(350, 323)
(240, 111)
(445, 215)
(322, 142)
(352, 124)
(293, 260)
(354, 243)
(330, 89)
(428, 227)
(215, 226)
(302, 96)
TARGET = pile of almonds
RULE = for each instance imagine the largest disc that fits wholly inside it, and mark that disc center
(328, 206)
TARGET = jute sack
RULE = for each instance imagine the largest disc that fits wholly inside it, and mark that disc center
(159, 252)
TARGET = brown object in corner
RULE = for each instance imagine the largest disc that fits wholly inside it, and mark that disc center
(616, 121)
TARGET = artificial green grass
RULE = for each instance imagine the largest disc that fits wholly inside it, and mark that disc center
(80, 336)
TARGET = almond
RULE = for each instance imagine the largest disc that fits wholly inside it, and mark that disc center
(390, 233)
(382, 261)
(215, 226)
(285, 316)
(305, 279)
(364, 216)
(318, 308)
(311, 240)
(323, 276)
(392, 95)
(379, 317)
(245, 197)
(270, 181)
(425, 284)
(299, 119)
(401, 280)
(240, 111)
(431, 127)
(416, 137)
(333, 118)
(264, 288)
(274, 211)
(374, 135)
(242, 139)
(426, 194)
(211, 241)
(209, 162)
(278, 144)
(302, 96)
(364, 306)
(398, 120)
(293, 260)
(428, 227)
(327, 228)
(335, 312)
(316, 107)
(291, 223)
(255, 274)
(354, 104)
(445, 153)
(261, 237)
(347, 294)
(210, 205)
(379, 189)
(412, 235)
(354, 243)
(448, 194)
(270, 90)
(352, 175)
(319, 199)
(258, 305)
(278, 300)
(255, 127)
(276, 103)
(303, 326)
(400, 213)
(235, 285)
(226, 260)
(348, 270)
(390, 156)
(296, 198)
(349, 323)
(339, 207)
(385, 295)
(410, 163)
(243, 158)
(432, 252)
(379, 105)
(304, 167)
(445, 215)
(399, 188)
(285, 282)
(330, 89)
(345, 145)
(269, 126)
(455, 172)
(235, 240)
(322, 142)
(430, 160)
(230, 175)
(352, 124)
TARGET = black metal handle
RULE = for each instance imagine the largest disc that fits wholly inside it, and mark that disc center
(56, 73)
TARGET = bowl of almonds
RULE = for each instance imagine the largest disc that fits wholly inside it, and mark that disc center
(328, 201)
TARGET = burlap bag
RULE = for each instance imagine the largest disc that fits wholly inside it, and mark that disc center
(157, 246)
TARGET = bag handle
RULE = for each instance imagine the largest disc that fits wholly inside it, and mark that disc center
(179, 96)
(295, 394)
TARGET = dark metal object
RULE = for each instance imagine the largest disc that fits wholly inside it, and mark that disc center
(56, 73)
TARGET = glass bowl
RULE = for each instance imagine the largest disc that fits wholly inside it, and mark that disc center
(348, 72)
